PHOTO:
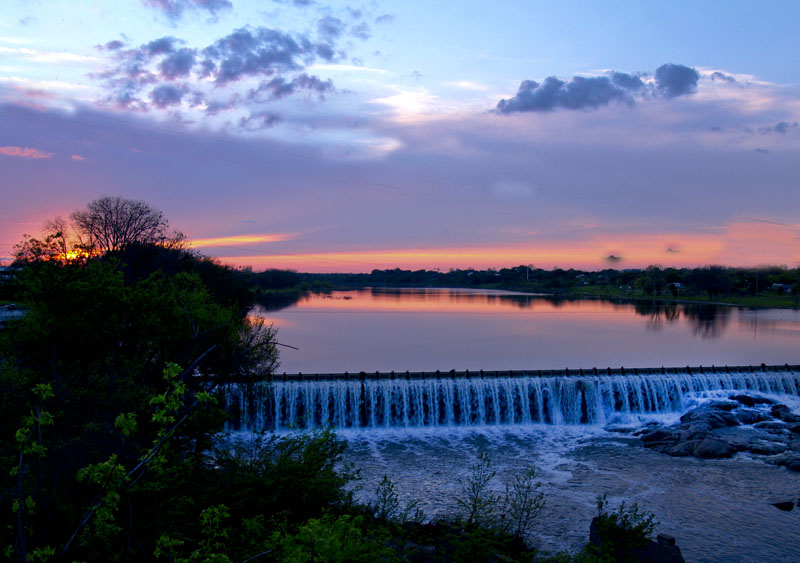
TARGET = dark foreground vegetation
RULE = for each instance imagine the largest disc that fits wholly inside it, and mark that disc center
(109, 434)
(766, 286)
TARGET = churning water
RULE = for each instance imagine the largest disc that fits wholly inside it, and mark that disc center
(425, 434)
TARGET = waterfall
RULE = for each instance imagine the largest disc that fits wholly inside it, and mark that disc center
(474, 401)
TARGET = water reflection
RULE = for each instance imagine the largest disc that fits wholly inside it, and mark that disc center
(658, 314)
(708, 321)
(429, 329)
(276, 302)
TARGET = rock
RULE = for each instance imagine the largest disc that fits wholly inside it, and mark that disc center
(783, 413)
(658, 435)
(750, 416)
(749, 401)
(713, 417)
(712, 448)
(619, 429)
(665, 539)
(764, 447)
(793, 464)
(771, 426)
(794, 446)
(657, 552)
(794, 428)
(663, 550)
(695, 431)
(790, 461)
(785, 506)
(683, 449)
(741, 438)
(722, 405)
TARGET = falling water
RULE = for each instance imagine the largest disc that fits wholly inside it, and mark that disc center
(476, 401)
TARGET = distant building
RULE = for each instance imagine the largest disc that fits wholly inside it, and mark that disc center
(7, 272)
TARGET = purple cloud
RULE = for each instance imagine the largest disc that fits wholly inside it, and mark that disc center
(676, 80)
(157, 74)
(579, 93)
(586, 93)
(279, 87)
(174, 9)
(166, 95)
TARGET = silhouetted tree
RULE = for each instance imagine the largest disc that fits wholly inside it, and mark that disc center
(713, 280)
(113, 223)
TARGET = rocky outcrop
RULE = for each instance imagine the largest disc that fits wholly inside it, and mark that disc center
(662, 550)
(720, 429)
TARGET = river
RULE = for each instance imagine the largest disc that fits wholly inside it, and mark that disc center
(426, 433)
(442, 329)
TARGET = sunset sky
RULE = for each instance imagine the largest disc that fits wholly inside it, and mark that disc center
(346, 136)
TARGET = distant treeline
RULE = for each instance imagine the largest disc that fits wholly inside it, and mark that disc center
(709, 282)
(774, 285)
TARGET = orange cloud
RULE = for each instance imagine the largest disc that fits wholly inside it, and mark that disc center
(239, 239)
(77, 157)
(25, 152)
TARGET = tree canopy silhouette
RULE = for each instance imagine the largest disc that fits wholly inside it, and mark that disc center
(113, 223)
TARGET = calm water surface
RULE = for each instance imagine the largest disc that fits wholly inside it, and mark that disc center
(443, 329)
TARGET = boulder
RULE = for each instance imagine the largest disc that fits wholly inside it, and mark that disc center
(771, 426)
(693, 432)
(764, 447)
(657, 435)
(750, 416)
(783, 413)
(663, 550)
(710, 415)
(749, 401)
(712, 448)
(785, 506)
(788, 460)
(793, 463)
(683, 449)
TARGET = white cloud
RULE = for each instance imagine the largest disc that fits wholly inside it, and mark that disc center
(467, 85)
(14, 40)
(46, 56)
(347, 68)
(409, 103)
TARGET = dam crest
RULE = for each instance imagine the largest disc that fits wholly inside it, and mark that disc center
(482, 398)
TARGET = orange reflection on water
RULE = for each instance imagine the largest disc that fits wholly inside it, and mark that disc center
(452, 301)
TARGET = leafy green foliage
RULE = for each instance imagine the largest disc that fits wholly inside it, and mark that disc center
(522, 504)
(477, 502)
(96, 410)
(513, 513)
(619, 531)
(341, 539)
(387, 505)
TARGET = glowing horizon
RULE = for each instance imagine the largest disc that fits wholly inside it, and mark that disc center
(740, 244)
